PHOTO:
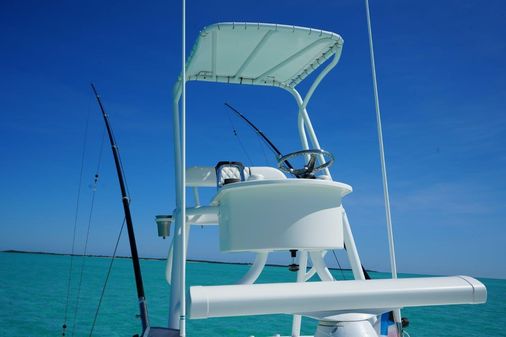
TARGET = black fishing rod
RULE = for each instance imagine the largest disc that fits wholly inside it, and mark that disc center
(128, 218)
(260, 133)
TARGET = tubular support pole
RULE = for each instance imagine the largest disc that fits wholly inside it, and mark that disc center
(175, 258)
(303, 117)
(304, 121)
(393, 266)
(320, 266)
(351, 249)
(255, 270)
(320, 77)
(301, 277)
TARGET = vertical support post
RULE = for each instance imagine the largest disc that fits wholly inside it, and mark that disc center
(301, 277)
(175, 249)
(196, 196)
(177, 309)
(175, 281)
(170, 255)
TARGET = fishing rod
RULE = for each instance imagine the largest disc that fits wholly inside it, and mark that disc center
(260, 133)
(128, 218)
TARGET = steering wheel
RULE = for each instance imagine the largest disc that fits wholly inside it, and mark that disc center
(310, 167)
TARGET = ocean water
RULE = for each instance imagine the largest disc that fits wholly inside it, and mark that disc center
(33, 293)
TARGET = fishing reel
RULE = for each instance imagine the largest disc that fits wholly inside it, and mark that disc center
(309, 168)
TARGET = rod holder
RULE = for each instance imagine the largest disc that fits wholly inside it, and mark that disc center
(163, 223)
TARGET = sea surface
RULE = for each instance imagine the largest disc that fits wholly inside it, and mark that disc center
(33, 296)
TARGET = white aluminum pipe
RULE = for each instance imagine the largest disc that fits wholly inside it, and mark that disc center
(307, 123)
(301, 277)
(351, 249)
(310, 273)
(320, 266)
(313, 297)
(170, 258)
(255, 270)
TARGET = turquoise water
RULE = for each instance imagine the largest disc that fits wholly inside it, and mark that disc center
(33, 291)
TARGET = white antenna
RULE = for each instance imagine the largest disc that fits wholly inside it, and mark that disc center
(182, 317)
(393, 266)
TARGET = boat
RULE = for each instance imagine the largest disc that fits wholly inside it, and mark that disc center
(296, 206)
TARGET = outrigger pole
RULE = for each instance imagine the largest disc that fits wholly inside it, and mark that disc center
(386, 197)
(128, 218)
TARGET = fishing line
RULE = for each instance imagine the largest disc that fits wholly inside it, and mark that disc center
(100, 152)
(76, 216)
(339, 264)
(236, 134)
(262, 145)
(90, 216)
(83, 258)
(107, 277)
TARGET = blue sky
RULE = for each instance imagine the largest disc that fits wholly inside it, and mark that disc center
(442, 78)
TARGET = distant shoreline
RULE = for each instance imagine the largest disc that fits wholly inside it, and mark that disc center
(14, 251)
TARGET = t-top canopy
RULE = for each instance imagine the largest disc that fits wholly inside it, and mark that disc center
(260, 53)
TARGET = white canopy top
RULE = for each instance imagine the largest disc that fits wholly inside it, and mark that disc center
(260, 53)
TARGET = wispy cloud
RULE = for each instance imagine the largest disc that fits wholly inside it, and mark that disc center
(455, 199)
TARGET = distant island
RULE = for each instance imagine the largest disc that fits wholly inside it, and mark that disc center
(13, 251)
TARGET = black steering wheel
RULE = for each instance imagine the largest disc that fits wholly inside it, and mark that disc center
(310, 167)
